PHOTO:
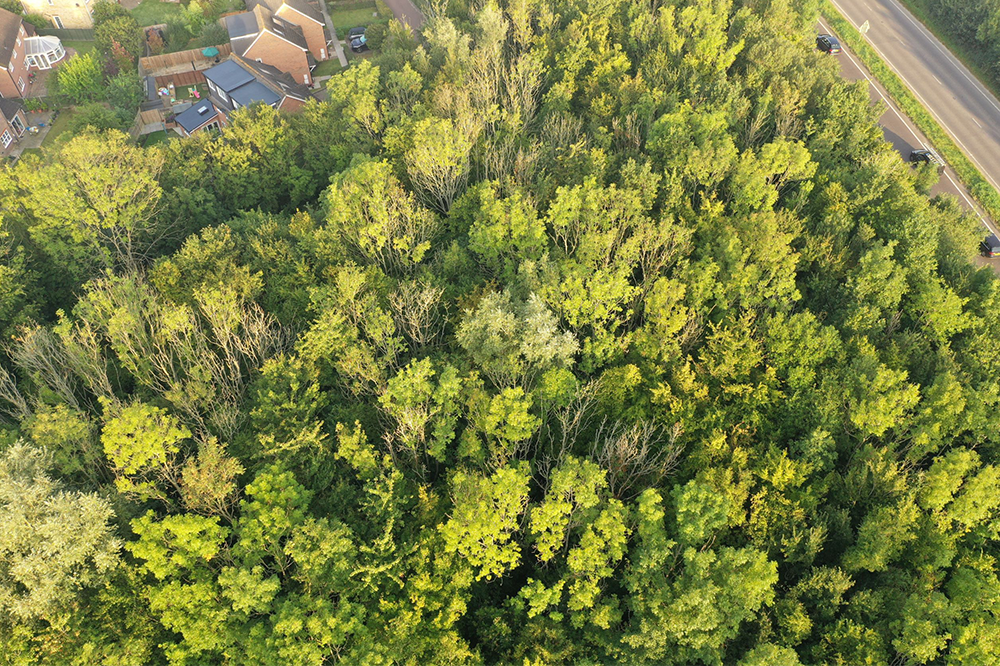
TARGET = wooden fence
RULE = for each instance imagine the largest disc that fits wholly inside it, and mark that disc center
(136, 129)
(192, 58)
(150, 117)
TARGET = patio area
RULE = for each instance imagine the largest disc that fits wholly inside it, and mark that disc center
(39, 84)
(29, 141)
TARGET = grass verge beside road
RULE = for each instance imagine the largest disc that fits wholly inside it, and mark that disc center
(980, 188)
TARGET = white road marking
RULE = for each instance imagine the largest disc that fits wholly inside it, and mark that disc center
(969, 203)
(951, 60)
(938, 80)
(941, 122)
(948, 54)
(977, 122)
(958, 187)
(885, 99)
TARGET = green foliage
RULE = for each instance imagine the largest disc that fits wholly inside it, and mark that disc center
(486, 515)
(105, 11)
(54, 542)
(124, 93)
(141, 444)
(81, 79)
(121, 40)
(568, 335)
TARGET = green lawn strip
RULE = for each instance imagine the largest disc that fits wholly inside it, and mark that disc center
(81, 47)
(344, 20)
(974, 59)
(978, 186)
(328, 67)
(152, 12)
(184, 92)
(59, 132)
(157, 137)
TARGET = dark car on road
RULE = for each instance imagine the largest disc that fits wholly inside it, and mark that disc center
(828, 44)
(354, 33)
(990, 247)
(923, 155)
(359, 44)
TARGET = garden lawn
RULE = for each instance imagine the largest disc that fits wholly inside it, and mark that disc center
(151, 12)
(345, 19)
(59, 134)
(158, 137)
(81, 47)
(328, 67)
(184, 92)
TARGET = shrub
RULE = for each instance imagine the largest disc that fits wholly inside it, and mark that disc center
(104, 11)
(80, 79)
(37, 20)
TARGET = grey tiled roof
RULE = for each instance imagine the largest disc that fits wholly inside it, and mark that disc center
(197, 115)
(302, 6)
(10, 25)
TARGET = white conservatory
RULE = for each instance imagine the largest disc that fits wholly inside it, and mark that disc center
(43, 51)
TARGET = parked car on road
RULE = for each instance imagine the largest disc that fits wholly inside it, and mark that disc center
(923, 155)
(828, 44)
(990, 247)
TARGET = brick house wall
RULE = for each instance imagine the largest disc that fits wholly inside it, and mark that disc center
(311, 30)
(14, 79)
(275, 51)
(291, 104)
(71, 13)
(9, 132)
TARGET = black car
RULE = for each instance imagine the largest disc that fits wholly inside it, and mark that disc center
(928, 156)
(990, 247)
(360, 44)
(828, 44)
(354, 33)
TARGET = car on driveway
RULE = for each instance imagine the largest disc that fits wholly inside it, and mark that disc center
(359, 44)
(828, 44)
(354, 33)
(924, 155)
(990, 247)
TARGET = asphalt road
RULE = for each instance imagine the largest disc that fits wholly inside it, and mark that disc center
(960, 104)
(407, 13)
(898, 129)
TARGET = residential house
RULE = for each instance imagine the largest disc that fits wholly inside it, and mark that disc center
(63, 13)
(240, 82)
(13, 55)
(13, 122)
(201, 116)
(20, 50)
(261, 36)
(304, 14)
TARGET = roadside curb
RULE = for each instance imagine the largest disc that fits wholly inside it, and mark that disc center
(984, 193)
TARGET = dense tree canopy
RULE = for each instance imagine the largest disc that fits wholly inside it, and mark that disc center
(577, 332)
